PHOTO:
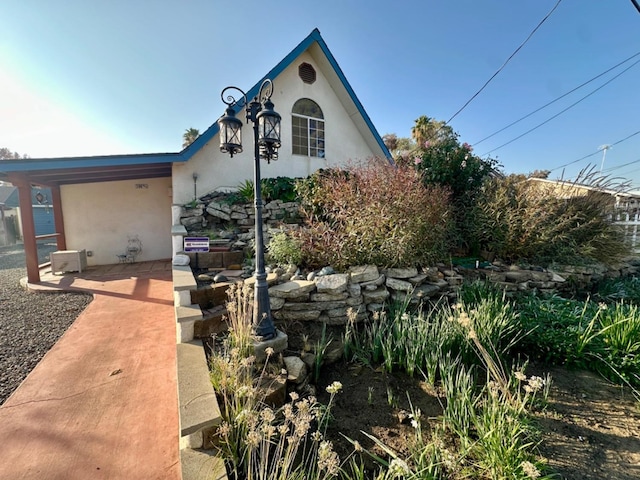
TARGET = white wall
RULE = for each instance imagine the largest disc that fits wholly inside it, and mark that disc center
(343, 140)
(100, 216)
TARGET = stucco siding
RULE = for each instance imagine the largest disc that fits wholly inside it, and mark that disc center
(99, 217)
(344, 141)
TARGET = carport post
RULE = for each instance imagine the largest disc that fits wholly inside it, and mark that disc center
(28, 226)
(58, 219)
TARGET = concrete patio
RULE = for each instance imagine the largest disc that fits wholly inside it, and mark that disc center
(102, 403)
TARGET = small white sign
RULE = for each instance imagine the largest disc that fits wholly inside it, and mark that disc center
(196, 244)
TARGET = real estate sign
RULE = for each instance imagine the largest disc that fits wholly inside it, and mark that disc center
(196, 244)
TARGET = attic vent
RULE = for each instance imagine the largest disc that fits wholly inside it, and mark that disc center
(307, 73)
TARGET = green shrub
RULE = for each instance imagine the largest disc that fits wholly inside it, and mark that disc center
(595, 336)
(552, 324)
(245, 191)
(372, 213)
(444, 161)
(284, 249)
(616, 289)
(279, 188)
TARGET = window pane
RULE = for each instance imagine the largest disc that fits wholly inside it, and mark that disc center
(299, 136)
(308, 108)
(308, 133)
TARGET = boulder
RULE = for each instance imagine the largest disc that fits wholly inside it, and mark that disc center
(400, 285)
(373, 284)
(300, 315)
(293, 289)
(296, 369)
(332, 283)
(377, 296)
(408, 272)
(354, 289)
(418, 279)
(363, 273)
(329, 297)
(276, 303)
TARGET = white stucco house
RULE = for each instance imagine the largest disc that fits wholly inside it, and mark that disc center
(101, 202)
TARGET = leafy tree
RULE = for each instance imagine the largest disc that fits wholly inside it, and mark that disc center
(6, 154)
(391, 141)
(544, 174)
(444, 161)
(189, 136)
(400, 147)
(433, 131)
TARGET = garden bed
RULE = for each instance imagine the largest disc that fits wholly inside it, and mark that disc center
(590, 427)
(427, 391)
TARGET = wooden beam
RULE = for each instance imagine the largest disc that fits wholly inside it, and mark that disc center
(58, 219)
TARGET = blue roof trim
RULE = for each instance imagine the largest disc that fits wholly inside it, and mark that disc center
(29, 164)
(314, 36)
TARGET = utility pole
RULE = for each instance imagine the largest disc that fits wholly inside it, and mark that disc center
(604, 149)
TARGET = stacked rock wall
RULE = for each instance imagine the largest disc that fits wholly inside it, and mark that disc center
(331, 299)
(365, 289)
(235, 222)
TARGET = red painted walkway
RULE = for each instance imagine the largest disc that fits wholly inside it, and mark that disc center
(102, 403)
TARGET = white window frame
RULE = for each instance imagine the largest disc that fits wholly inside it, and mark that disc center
(311, 150)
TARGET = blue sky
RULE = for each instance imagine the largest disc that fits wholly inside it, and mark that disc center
(129, 76)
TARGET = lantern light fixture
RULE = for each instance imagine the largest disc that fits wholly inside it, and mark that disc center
(266, 142)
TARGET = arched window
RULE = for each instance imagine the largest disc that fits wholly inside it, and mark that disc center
(308, 128)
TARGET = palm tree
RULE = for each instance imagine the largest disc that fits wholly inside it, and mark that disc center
(189, 136)
(430, 130)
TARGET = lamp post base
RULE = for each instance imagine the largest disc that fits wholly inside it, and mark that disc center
(279, 343)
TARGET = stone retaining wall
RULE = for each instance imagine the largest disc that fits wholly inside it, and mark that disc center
(235, 223)
(328, 299)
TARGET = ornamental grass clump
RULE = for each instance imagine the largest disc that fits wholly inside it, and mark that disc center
(521, 219)
(257, 441)
(485, 429)
(372, 213)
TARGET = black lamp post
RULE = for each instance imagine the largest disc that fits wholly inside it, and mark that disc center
(266, 141)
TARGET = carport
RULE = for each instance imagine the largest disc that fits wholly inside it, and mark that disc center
(56, 172)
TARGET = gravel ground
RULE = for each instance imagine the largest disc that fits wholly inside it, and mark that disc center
(30, 323)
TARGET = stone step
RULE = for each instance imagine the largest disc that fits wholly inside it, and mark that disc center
(199, 410)
(202, 465)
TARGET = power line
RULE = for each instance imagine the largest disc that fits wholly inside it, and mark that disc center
(507, 61)
(595, 153)
(555, 100)
(610, 169)
(562, 111)
(636, 4)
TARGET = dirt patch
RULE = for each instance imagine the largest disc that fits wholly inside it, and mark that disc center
(377, 403)
(590, 428)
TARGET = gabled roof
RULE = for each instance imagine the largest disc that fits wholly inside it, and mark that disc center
(314, 37)
(7, 194)
(67, 170)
